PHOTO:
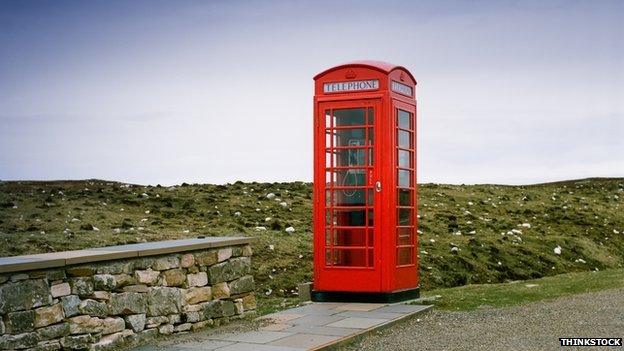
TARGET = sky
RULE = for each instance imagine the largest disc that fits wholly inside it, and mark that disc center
(165, 92)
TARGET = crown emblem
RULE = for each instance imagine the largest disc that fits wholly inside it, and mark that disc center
(350, 74)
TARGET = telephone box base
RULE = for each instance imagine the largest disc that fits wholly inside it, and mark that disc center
(348, 296)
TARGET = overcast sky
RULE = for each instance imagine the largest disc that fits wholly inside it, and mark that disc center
(205, 91)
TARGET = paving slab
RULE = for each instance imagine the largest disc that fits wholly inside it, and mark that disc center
(359, 306)
(358, 322)
(315, 326)
(256, 337)
(242, 346)
(305, 341)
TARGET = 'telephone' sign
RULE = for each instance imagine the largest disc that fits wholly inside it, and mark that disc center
(355, 85)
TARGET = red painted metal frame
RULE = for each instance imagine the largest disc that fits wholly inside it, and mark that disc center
(385, 276)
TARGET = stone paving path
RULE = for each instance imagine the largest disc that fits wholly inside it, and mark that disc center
(309, 327)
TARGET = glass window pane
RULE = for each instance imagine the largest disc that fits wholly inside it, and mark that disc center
(405, 178)
(328, 199)
(328, 260)
(349, 117)
(371, 258)
(405, 139)
(404, 119)
(349, 197)
(405, 159)
(404, 236)
(371, 239)
(350, 237)
(350, 218)
(328, 237)
(371, 157)
(371, 218)
(405, 256)
(371, 136)
(350, 257)
(405, 197)
(328, 218)
(352, 137)
(371, 116)
(405, 217)
(350, 177)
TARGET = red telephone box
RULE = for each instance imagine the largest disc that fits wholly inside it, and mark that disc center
(365, 240)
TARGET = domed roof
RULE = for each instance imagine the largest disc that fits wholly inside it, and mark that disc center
(382, 66)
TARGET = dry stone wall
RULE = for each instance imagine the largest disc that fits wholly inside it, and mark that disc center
(111, 304)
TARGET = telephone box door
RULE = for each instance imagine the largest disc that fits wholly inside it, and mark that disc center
(349, 155)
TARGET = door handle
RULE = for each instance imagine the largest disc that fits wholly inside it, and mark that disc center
(377, 186)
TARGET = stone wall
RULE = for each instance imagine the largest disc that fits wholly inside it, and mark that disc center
(111, 304)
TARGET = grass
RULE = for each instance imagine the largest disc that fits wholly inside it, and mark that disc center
(473, 296)
(502, 233)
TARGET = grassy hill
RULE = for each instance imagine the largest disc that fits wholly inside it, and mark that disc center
(501, 232)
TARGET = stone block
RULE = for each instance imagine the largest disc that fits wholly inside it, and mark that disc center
(106, 282)
(219, 308)
(127, 303)
(164, 301)
(305, 291)
(175, 318)
(113, 341)
(85, 324)
(220, 291)
(78, 342)
(60, 290)
(2, 328)
(238, 306)
(187, 260)
(101, 295)
(237, 251)
(202, 325)
(19, 277)
(207, 258)
(113, 325)
(136, 322)
(50, 274)
(93, 308)
(197, 295)
(142, 263)
(249, 302)
(242, 285)
(224, 254)
(24, 295)
(174, 277)
(124, 280)
(19, 341)
(192, 317)
(152, 322)
(54, 331)
(20, 322)
(183, 327)
(138, 288)
(80, 271)
(166, 329)
(70, 305)
(114, 267)
(247, 251)
(167, 262)
(148, 277)
(229, 270)
(48, 345)
(82, 286)
(197, 279)
(45, 316)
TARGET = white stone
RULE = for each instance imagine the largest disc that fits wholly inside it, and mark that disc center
(290, 230)
(283, 204)
(526, 225)
(557, 250)
(198, 279)
(270, 196)
(271, 247)
(260, 229)
(59, 290)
